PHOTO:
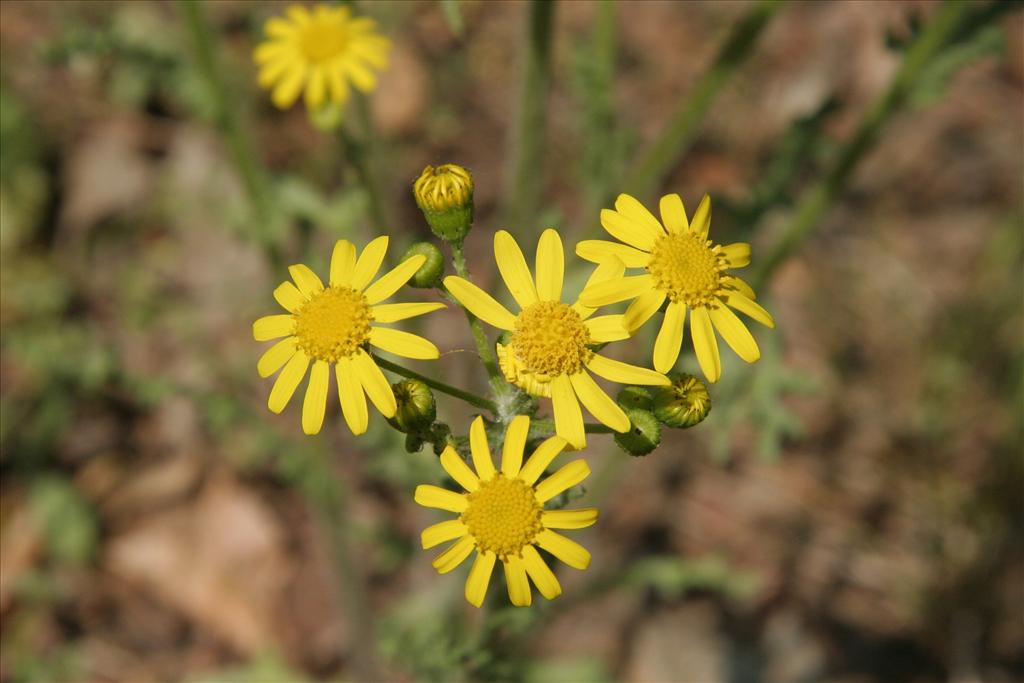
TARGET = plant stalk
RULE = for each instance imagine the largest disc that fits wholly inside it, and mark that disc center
(469, 397)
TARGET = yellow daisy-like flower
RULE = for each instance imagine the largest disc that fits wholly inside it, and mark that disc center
(502, 514)
(686, 268)
(321, 51)
(333, 325)
(550, 350)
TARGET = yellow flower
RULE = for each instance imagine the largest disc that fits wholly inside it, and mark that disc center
(332, 326)
(319, 51)
(550, 351)
(502, 514)
(685, 267)
(448, 186)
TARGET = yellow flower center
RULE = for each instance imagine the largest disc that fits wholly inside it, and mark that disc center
(503, 515)
(333, 324)
(551, 339)
(686, 268)
(322, 39)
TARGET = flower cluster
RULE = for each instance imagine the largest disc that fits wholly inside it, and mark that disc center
(549, 347)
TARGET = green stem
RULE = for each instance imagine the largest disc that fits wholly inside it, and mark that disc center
(468, 397)
(527, 153)
(815, 201)
(227, 120)
(483, 346)
(677, 137)
(356, 152)
(547, 426)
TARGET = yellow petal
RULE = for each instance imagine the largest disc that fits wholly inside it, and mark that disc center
(568, 416)
(390, 282)
(369, 262)
(566, 477)
(550, 266)
(299, 14)
(515, 579)
(735, 283)
(455, 466)
(315, 403)
(479, 577)
(287, 381)
(568, 551)
(702, 217)
(316, 88)
(629, 231)
(307, 281)
(436, 534)
(401, 343)
(454, 556)
(541, 458)
(363, 78)
(390, 313)
(339, 93)
(673, 215)
(480, 450)
(642, 308)
(632, 209)
(272, 71)
(431, 496)
(705, 344)
(569, 519)
(599, 251)
(745, 305)
(353, 400)
(613, 291)
(515, 442)
(276, 27)
(272, 327)
(606, 328)
(276, 356)
(737, 253)
(599, 403)
(541, 574)
(735, 334)
(480, 303)
(288, 88)
(375, 384)
(513, 269)
(289, 296)
(624, 373)
(343, 261)
(670, 337)
(612, 269)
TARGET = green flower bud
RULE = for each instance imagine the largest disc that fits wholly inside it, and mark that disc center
(416, 409)
(634, 397)
(429, 274)
(445, 196)
(644, 433)
(413, 443)
(327, 117)
(683, 404)
(441, 435)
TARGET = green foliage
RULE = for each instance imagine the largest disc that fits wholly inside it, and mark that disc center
(69, 525)
(672, 577)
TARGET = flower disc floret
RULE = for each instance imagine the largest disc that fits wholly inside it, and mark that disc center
(686, 268)
(551, 339)
(503, 516)
(323, 38)
(333, 324)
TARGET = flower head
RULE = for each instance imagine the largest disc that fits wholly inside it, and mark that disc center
(321, 52)
(551, 347)
(684, 267)
(445, 196)
(334, 325)
(502, 514)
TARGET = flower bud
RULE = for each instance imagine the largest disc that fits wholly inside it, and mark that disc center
(441, 435)
(644, 433)
(413, 443)
(445, 196)
(429, 274)
(684, 403)
(416, 409)
(634, 397)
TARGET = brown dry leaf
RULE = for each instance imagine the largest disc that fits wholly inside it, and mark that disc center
(220, 561)
(399, 101)
(20, 544)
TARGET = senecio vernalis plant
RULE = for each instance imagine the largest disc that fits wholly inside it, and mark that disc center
(548, 350)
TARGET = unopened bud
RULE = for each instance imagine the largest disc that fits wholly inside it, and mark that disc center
(429, 274)
(644, 433)
(634, 397)
(415, 406)
(445, 196)
(684, 403)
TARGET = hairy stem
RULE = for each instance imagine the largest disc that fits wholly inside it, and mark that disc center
(469, 397)
(358, 153)
(483, 346)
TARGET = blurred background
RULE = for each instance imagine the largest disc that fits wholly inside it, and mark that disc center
(850, 511)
